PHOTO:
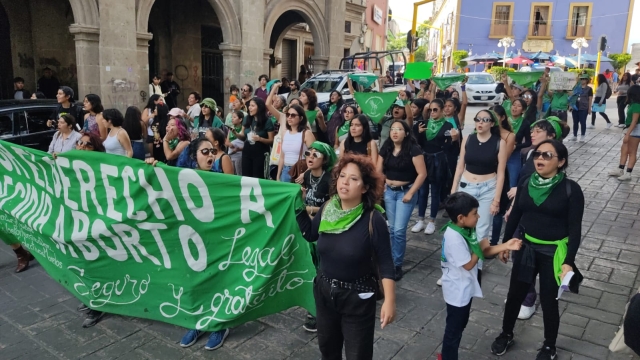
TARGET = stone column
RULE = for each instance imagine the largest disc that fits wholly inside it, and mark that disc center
(334, 19)
(321, 63)
(142, 44)
(231, 65)
(87, 58)
(252, 26)
(267, 67)
(121, 81)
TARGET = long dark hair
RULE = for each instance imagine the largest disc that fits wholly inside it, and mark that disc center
(495, 130)
(303, 118)
(366, 132)
(625, 82)
(340, 99)
(633, 95)
(501, 112)
(602, 80)
(162, 119)
(218, 135)
(409, 141)
(260, 118)
(532, 110)
(312, 98)
(371, 179)
(96, 103)
(151, 104)
(131, 124)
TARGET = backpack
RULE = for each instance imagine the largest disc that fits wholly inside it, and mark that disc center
(609, 92)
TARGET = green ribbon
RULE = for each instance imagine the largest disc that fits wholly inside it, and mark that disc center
(311, 116)
(469, 236)
(558, 257)
(540, 188)
(433, 128)
(516, 124)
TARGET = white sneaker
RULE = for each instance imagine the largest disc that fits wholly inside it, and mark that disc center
(582, 138)
(573, 138)
(419, 226)
(621, 125)
(609, 125)
(625, 177)
(616, 172)
(439, 282)
(431, 228)
(591, 126)
(526, 312)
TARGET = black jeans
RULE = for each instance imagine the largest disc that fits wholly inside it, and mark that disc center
(344, 318)
(593, 114)
(457, 319)
(253, 159)
(548, 291)
(622, 104)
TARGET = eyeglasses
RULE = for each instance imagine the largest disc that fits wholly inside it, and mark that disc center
(206, 152)
(314, 154)
(84, 143)
(292, 115)
(348, 112)
(484, 120)
(546, 155)
(527, 96)
(245, 90)
(397, 129)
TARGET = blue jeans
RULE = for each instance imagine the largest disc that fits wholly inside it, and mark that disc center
(514, 165)
(580, 118)
(484, 192)
(457, 319)
(138, 150)
(284, 175)
(423, 198)
(398, 214)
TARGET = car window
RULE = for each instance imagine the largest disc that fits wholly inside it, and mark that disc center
(21, 122)
(6, 125)
(481, 79)
(37, 120)
(322, 85)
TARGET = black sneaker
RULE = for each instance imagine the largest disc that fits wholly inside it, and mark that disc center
(83, 308)
(399, 273)
(310, 325)
(502, 344)
(547, 353)
(92, 318)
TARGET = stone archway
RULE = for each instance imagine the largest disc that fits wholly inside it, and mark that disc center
(85, 12)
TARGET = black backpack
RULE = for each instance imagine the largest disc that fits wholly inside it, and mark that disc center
(609, 92)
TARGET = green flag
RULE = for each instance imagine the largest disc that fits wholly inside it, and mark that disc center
(418, 70)
(444, 82)
(366, 80)
(375, 104)
(193, 248)
(525, 79)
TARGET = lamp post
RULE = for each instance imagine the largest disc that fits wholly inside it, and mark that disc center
(506, 43)
(579, 43)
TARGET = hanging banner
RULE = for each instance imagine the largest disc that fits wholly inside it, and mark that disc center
(375, 104)
(418, 70)
(193, 248)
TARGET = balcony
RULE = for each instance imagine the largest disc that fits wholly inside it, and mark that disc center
(498, 31)
(541, 32)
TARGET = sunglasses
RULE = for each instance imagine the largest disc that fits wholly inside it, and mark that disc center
(484, 120)
(84, 143)
(245, 90)
(427, 109)
(292, 115)
(206, 152)
(314, 154)
(527, 96)
(546, 155)
(434, 109)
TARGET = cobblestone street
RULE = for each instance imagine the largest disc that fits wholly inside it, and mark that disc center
(38, 317)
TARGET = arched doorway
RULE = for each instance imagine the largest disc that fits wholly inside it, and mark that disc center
(6, 64)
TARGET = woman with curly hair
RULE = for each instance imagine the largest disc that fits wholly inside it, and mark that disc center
(309, 101)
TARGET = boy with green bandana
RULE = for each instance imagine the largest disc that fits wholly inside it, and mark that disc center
(461, 253)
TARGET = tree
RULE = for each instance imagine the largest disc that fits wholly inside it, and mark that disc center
(458, 55)
(396, 41)
(620, 61)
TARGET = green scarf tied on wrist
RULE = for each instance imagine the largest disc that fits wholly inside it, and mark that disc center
(540, 188)
(469, 236)
(516, 124)
(336, 221)
(433, 128)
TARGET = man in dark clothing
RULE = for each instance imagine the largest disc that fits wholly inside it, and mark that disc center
(636, 76)
(48, 84)
(284, 89)
(20, 92)
(170, 89)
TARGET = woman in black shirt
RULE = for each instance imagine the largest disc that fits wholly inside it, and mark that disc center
(257, 132)
(402, 163)
(550, 199)
(521, 120)
(353, 239)
(359, 140)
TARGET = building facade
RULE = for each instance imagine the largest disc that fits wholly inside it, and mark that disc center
(549, 26)
(376, 18)
(113, 47)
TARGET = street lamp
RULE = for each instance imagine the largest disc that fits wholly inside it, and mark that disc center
(506, 43)
(579, 43)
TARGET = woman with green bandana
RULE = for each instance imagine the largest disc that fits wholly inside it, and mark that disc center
(520, 124)
(547, 214)
(354, 246)
(309, 101)
(435, 137)
(342, 131)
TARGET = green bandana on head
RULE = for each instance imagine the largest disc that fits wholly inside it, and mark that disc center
(469, 236)
(327, 151)
(433, 128)
(555, 122)
(540, 188)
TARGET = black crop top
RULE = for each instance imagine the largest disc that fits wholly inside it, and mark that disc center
(398, 170)
(358, 148)
(481, 158)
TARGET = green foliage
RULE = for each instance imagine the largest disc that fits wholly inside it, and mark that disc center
(399, 42)
(620, 60)
(497, 71)
(458, 55)
(420, 54)
(396, 42)
(590, 72)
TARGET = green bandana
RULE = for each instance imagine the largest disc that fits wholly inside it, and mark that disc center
(516, 124)
(433, 128)
(237, 129)
(558, 257)
(469, 236)
(452, 121)
(344, 129)
(366, 80)
(555, 122)
(311, 116)
(445, 81)
(327, 151)
(173, 143)
(335, 220)
(332, 109)
(540, 188)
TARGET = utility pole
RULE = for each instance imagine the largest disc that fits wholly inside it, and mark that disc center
(414, 25)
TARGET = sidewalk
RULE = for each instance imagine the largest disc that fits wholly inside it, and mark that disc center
(38, 318)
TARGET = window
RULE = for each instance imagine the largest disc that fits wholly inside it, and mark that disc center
(6, 125)
(37, 120)
(502, 20)
(347, 27)
(579, 21)
(540, 25)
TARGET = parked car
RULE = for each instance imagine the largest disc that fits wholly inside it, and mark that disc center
(539, 67)
(24, 122)
(481, 88)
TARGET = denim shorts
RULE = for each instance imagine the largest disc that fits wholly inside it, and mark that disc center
(636, 132)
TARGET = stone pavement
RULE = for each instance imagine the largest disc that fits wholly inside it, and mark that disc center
(38, 319)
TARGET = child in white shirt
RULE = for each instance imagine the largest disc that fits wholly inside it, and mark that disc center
(461, 252)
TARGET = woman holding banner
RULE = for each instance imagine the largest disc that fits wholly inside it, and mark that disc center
(353, 243)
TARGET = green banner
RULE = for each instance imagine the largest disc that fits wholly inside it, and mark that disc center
(197, 249)
(418, 70)
(525, 79)
(366, 80)
(375, 104)
(443, 82)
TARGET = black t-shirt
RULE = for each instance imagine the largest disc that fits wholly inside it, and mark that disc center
(317, 188)
(400, 167)
(358, 148)
(440, 143)
(74, 110)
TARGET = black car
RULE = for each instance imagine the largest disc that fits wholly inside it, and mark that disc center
(24, 122)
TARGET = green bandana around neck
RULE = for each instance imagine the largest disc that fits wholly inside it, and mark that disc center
(433, 128)
(311, 116)
(173, 143)
(469, 236)
(332, 109)
(335, 220)
(516, 124)
(540, 188)
(344, 129)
